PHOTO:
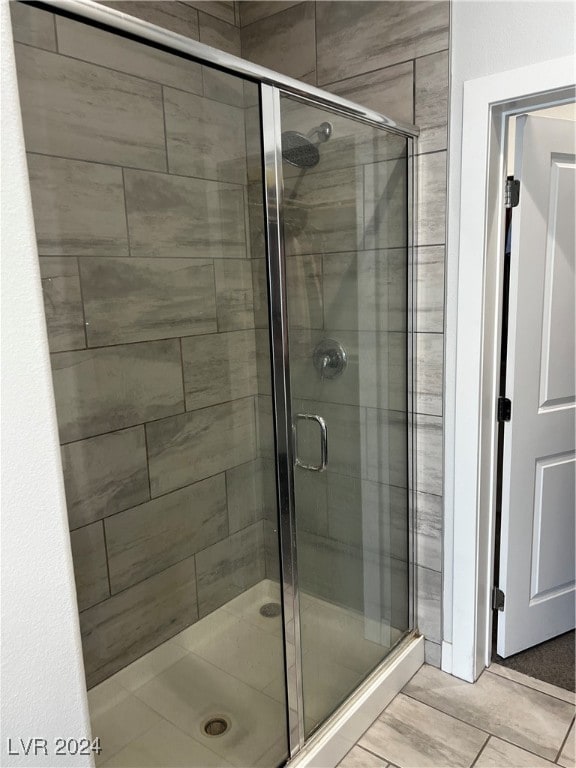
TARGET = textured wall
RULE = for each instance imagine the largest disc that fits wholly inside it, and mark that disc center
(138, 171)
(42, 679)
(393, 57)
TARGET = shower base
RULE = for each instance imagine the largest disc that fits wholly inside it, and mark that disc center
(227, 667)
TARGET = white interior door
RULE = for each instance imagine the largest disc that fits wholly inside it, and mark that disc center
(537, 553)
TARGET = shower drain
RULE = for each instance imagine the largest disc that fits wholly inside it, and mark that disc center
(216, 726)
(270, 610)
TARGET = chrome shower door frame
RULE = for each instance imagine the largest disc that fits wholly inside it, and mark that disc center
(273, 182)
(272, 85)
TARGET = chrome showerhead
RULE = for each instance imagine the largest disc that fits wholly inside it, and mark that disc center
(300, 150)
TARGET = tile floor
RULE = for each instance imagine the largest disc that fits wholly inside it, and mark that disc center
(504, 720)
(230, 663)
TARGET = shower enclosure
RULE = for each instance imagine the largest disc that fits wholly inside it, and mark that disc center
(225, 257)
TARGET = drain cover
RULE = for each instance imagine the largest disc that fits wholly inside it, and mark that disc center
(270, 610)
(216, 726)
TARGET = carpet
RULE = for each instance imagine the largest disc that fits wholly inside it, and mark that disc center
(552, 661)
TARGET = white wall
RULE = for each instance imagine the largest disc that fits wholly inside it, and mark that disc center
(43, 692)
(487, 37)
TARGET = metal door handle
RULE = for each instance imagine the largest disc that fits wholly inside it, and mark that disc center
(323, 443)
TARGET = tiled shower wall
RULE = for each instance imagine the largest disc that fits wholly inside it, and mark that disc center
(137, 164)
(393, 57)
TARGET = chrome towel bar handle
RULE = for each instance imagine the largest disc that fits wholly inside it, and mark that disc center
(323, 443)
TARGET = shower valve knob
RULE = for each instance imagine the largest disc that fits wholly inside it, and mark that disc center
(330, 359)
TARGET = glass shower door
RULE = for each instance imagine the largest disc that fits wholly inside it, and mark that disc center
(345, 205)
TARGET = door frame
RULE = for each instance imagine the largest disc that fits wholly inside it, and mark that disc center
(471, 449)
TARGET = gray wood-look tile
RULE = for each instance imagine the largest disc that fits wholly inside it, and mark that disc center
(62, 303)
(220, 9)
(144, 299)
(429, 475)
(532, 682)
(429, 373)
(432, 653)
(218, 367)
(284, 42)
(234, 294)
(431, 101)
(388, 91)
(125, 627)
(331, 570)
(90, 571)
(429, 603)
(264, 426)
(82, 111)
(175, 16)
(357, 37)
(310, 492)
(177, 216)
(78, 207)
(413, 735)
(386, 447)
(323, 212)
(263, 362)
(147, 539)
(199, 444)
(205, 138)
(368, 514)
(245, 487)
(429, 279)
(360, 758)
(230, 567)
(260, 293)
(229, 89)
(254, 10)
(375, 373)
(304, 290)
(431, 225)
(385, 213)
(101, 390)
(429, 511)
(567, 757)
(272, 565)
(219, 34)
(500, 754)
(98, 46)
(364, 290)
(105, 474)
(32, 26)
(525, 717)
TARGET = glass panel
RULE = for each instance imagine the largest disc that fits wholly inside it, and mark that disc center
(142, 165)
(345, 204)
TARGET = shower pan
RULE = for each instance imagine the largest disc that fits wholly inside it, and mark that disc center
(225, 256)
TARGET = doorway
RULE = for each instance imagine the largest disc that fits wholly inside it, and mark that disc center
(533, 597)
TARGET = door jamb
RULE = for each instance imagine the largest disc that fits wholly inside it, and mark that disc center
(472, 448)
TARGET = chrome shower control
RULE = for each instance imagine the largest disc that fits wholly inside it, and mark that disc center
(329, 359)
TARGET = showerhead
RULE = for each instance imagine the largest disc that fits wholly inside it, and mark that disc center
(300, 150)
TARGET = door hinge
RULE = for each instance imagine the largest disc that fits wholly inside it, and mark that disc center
(504, 409)
(497, 599)
(511, 192)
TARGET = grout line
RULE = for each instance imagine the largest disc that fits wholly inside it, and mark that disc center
(78, 267)
(482, 748)
(55, 38)
(564, 740)
(123, 167)
(147, 475)
(165, 129)
(107, 569)
(269, 16)
(530, 687)
(477, 727)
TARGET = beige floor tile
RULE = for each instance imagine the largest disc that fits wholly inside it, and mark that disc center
(164, 745)
(413, 735)
(523, 716)
(568, 755)
(247, 606)
(360, 758)
(501, 754)
(531, 682)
